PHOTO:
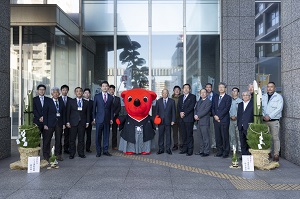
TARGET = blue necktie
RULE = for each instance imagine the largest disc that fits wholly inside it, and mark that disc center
(165, 104)
(220, 99)
(79, 103)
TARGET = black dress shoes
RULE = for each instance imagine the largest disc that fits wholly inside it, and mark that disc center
(218, 155)
(225, 156)
(182, 152)
(159, 152)
(189, 154)
(82, 156)
(169, 152)
(175, 147)
(98, 155)
(204, 155)
(71, 157)
(89, 151)
(198, 153)
(107, 153)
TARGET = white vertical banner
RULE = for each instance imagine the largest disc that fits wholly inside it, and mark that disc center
(247, 161)
(33, 164)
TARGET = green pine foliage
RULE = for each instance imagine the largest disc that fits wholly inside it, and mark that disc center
(52, 158)
(253, 133)
(32, 135)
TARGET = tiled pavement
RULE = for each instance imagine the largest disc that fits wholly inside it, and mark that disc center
(153, 176)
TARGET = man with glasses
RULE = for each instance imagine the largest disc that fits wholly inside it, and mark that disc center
(38, 103)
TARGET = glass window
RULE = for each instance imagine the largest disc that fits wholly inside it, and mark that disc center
(132, 16)
(275, 17)
(167, 16)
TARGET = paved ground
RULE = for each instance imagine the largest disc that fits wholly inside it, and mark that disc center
(153, 176)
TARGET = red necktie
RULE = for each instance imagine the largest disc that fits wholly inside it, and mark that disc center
(105, 98)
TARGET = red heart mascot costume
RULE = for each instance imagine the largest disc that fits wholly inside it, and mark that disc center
(137, 127)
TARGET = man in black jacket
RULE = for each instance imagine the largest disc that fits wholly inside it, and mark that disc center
(38, 103)
(186, 104)
(88, 130)
(117, 109)
(78, 117)
(54, 120)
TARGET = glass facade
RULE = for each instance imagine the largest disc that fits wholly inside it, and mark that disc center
(268, 44)
(156, 44)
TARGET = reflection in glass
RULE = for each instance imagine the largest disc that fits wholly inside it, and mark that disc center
(167, 67)
(203, 61)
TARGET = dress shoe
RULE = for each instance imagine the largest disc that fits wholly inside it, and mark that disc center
(225, 156)
(82, 156)
(159, 152)
(204, 155)
(199, 153)
(182, 152)
(66, 151)
(189, 154)
(218, 155)
(107, 153)
(276, 158)
(59, 158)
(98, 155)
(180, 146)
(169, 152)
(89, 151)
(71, 157)
(115, 148)
(175, 147)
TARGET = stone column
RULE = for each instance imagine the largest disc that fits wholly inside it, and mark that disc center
(5, 132)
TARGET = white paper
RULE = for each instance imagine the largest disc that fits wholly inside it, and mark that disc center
(247, 162)
(33, 164)
(25, 144)
(18, 141)
(24, 139)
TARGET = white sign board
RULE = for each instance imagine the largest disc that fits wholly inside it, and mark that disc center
(33, 164)
(248, 164)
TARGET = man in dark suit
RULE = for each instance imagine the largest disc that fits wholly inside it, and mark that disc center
(165, 109)
(38, 103)
(202, 116)
(220, 111)
(103, 117)
(54, 121)
(88, 130)
(64, 97)
(245, 115)
(116, 111)
(78, 117)
(186, 104)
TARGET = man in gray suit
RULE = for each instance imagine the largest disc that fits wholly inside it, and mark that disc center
(202, 116)
(165, 109)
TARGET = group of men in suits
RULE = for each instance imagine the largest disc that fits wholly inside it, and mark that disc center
(61, 115)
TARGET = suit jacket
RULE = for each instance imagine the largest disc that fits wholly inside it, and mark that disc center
(222, 110)
(91, 106)
(50, 111)
(38, 110)
(202, 110)
(76, 117)
(117, 106)
(103, 112)
(167, 114)
(215, 95)
(66, 105)
(187, 107)
(245, 117)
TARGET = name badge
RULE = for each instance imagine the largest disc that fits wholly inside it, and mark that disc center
(79, 109)
(57, 114)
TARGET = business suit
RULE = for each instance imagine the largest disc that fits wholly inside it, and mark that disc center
(203, 111)
(244, 117)
(167, 113)
(222, 127)
(78, 120)
(114, 126)
(88, 130)
(66, 131)
(54, 119)
(38, 111)
(103, 114)
(187, 122)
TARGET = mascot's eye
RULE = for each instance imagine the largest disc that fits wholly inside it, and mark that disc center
(129, 99)
(145, 99)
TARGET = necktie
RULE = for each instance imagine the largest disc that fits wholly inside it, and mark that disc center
(79, 103)
(165, 104)
(65, 100)
(104, 98)
(56, 104)
(184, 98)
(42, 101)
(220, 99)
